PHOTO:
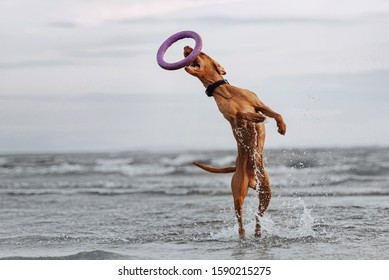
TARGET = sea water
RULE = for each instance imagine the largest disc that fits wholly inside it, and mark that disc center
(326, 204)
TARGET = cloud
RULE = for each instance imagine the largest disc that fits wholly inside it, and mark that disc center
(86, 14)
(34, 63)
(230, 20)
(72, 13)
(63, 24)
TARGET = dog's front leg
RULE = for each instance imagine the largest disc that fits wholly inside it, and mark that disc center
(272, 114)
(252, 117)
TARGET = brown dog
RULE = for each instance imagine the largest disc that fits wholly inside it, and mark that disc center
(245, 112)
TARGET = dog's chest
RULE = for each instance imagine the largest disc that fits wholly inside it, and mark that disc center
(230, 107)
(227, 108)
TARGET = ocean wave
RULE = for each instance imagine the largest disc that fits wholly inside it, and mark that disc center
(114, 161)
(182, 191)
(113, 192)
(224, 161)
(63, 168)
(302, 163)
(182, 159)
(3, 161)
(84, 255)
(113, 167)
(329, 169)
(136, 170)
(372, 170)
(30, 193)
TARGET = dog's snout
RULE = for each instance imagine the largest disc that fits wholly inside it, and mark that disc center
(187, 50)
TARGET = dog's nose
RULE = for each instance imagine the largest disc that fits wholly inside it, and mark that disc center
(187, 50)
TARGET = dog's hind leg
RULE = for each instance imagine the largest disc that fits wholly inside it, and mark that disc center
(264, 195)
(238, 204)
(239, 192)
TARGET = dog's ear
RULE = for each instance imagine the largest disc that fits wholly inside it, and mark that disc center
(219, 68)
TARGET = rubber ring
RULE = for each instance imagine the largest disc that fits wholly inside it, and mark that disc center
(170, 41)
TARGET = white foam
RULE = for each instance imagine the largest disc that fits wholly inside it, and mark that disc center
(62, 168)
(182, 159)
(114, 162)
(135, 170)
(65, 168)
(224, 161)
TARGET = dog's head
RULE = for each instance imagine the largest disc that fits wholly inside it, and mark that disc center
(204, 67)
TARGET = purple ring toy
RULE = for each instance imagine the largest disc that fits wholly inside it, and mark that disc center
(170, 41)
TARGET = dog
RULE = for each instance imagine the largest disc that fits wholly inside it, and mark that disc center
(246, 114)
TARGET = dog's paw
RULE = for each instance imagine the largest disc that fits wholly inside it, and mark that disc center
(281, 127)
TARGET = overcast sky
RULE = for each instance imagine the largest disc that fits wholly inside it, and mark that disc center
(82, 75)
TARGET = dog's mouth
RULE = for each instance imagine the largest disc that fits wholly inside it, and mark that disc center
(195, 64)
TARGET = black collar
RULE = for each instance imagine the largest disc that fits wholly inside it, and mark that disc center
(212, 87)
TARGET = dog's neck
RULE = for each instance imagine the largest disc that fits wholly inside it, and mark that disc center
(216, 88)
(212, 87)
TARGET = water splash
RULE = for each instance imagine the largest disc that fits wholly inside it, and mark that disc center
(296, 223)
(299, 223)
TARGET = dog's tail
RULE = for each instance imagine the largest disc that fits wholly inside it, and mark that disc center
(229, 169)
